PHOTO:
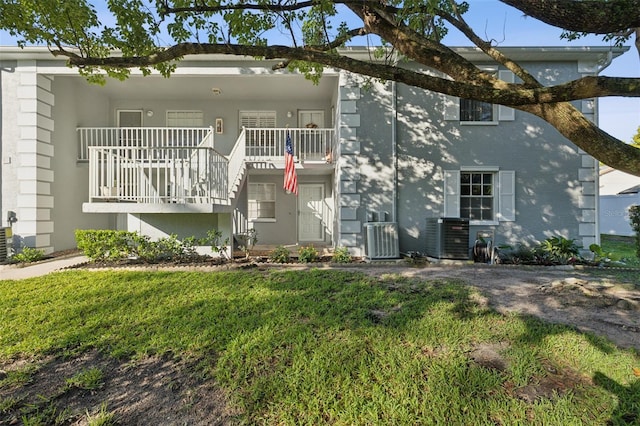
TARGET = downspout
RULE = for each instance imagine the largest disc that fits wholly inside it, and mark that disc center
(596, 119)
(394, 143)
(394, 153)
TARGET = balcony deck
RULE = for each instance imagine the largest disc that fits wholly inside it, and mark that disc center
(163, 170)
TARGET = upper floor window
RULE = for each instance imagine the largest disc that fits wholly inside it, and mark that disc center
(471, 110)
(185, 119)
(467, 111)
(257, 119)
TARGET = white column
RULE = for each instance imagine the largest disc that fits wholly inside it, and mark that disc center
(35, 153)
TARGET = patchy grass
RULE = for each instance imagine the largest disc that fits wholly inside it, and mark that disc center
(89, 379)
(327, 347)
(623, 247)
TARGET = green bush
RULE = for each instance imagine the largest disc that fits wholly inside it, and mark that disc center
(634, 219)
(218, 245)
(110, 245)
(279, 255)
(601, 257)
(556, 250)
(307, 254)
(169, 248)
(519, 255)
(341, 255)
(104, 244)
(28, 255)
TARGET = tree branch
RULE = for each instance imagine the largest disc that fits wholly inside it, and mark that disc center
(508, 94)
(589, 16)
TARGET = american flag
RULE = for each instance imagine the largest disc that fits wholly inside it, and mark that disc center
(290, 177)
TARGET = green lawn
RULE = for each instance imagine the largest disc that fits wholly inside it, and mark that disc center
(331, 347)
(623, 247)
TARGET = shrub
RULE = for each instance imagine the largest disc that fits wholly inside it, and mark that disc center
(556, 250)
(169, 248)
(634, 219)
(28, 255)
(600, 256)
(519, 255)
(307, 254)
(106, 244)
(218, 245)
(110, 245)
(247, 241)
(279, 255)
(341, 255)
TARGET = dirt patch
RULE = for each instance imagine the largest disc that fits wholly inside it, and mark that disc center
(574, 297)
(148, 391)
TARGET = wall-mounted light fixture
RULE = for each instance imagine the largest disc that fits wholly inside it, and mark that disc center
(289, 114)
(149, 113)
(12, 217)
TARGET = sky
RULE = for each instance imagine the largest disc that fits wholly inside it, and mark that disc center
(493, 20)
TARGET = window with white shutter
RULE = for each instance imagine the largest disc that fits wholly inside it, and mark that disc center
(258, 142)
(185, 119)
(469, 111)
(253, 119)
(484, 196)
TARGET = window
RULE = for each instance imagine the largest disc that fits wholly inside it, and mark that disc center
(252, 119)
(129, 118)
(258, 142)
(471, 110)
(185, 119)
(468, 111)
(482, 195)
(476, 196)
(262, 201)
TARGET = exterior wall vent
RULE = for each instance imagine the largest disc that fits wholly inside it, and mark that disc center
(381, 240)
(448, 238)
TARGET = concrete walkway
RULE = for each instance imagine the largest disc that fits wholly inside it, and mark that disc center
(17, 272)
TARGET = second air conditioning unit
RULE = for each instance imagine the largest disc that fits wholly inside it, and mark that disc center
(448, 238)
(381, 240)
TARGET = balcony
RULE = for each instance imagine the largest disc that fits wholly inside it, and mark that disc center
(153, 170)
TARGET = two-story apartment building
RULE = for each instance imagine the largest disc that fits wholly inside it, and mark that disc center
(204, 149)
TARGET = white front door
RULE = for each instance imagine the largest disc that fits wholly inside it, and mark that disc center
(310, 209)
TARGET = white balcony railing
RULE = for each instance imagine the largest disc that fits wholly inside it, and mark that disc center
(268, 144)
(180, 165)
(157, 175)
(139, 137)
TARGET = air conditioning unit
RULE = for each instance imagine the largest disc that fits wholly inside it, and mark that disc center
(448, 238)
(5, 233)
(381, 240)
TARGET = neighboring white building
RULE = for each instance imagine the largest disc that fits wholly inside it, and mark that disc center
(618, 192)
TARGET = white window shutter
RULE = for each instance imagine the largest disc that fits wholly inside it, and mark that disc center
(253, 119)
(451, 193)
(451, 107)
(505, 113)
(507, 196)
